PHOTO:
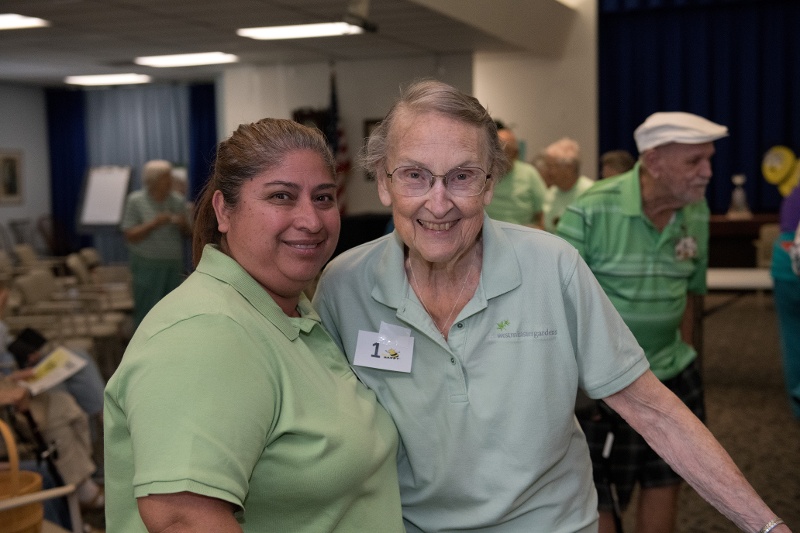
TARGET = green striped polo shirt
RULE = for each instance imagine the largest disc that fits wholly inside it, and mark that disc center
(645, 273)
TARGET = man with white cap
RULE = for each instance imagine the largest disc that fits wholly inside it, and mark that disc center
(644, 234)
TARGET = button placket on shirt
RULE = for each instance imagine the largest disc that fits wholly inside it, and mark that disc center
(458, 380)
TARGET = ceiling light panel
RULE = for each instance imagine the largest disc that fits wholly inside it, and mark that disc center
(300, 31)
(108, 79)
(186, 60)
(13, 21)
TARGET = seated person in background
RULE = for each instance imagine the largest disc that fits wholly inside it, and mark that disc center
(61, 413)
(85, 386)
(561, 171)
(62, 422)
(519, 194)
(13, 395)
(615, 162)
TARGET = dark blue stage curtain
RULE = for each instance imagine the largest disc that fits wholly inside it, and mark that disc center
(202, 135)
(66, 133)
(736, 62)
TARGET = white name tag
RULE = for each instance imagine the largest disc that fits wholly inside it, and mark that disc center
(390, 349)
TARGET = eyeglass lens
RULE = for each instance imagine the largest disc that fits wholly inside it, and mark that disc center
(460, 181)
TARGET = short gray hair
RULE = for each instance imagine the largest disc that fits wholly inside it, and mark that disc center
(154, 169)
(435, 96)
(565, 151)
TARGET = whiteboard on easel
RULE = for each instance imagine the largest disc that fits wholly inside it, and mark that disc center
(104, 193)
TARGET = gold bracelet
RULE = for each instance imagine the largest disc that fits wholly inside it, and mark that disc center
(772, 524)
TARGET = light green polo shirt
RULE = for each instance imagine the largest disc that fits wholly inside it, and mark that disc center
(489, 441)
(221, 394)
(557, 201)
(640, 269)
(518, 196)
(164, 242)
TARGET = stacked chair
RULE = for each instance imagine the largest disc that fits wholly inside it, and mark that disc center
(89, 309)
(113, 282)
(29, 259)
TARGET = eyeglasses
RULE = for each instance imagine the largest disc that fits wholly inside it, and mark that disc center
(460, 181)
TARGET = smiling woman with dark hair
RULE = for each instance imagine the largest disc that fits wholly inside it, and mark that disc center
(232, 409)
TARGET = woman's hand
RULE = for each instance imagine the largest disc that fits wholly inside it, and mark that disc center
(15, 395)
(22, 375)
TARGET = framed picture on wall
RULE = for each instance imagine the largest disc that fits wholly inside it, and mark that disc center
(369, 125)
(10, 176)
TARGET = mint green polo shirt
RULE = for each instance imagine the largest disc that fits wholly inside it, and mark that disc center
(164, 242)
(489, 440)
(640, 269)
(557, 201)
(518, 196)
(221, 394)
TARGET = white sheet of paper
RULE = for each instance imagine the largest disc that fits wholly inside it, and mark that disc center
(386, 352)
(53, 369)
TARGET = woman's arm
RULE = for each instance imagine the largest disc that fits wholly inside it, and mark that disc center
(187, 512)
(682, 440)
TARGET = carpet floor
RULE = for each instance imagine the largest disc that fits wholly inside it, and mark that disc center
(747, 411)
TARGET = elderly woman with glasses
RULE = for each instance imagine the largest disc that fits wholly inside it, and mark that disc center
(476, 335)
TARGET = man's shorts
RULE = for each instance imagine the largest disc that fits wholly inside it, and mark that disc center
(632, 460)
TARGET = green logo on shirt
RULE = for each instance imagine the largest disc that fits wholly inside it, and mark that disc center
(503, 325)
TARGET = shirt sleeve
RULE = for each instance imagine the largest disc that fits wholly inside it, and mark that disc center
(608, 355)
(539, 192)
(199, 408)
(131, 215)
(572, 227)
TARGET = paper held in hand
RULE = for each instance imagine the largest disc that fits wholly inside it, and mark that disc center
(53, 369)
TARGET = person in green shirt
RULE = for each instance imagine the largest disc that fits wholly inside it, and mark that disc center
(476, 335)
(154, 224)
(562, 173)
(518, 195)
(232, 409)
(644, 235)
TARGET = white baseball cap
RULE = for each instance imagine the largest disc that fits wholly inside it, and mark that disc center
(676, 127)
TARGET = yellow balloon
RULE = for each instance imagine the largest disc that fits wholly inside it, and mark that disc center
(788, 185)
(777, 164)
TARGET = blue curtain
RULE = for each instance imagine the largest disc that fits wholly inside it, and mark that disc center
(129, 126)
(124, 126)
(202, 135)
(66, 134)
(732, 61)
(133, 124)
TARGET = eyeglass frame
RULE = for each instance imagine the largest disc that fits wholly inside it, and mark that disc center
(443, 177)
